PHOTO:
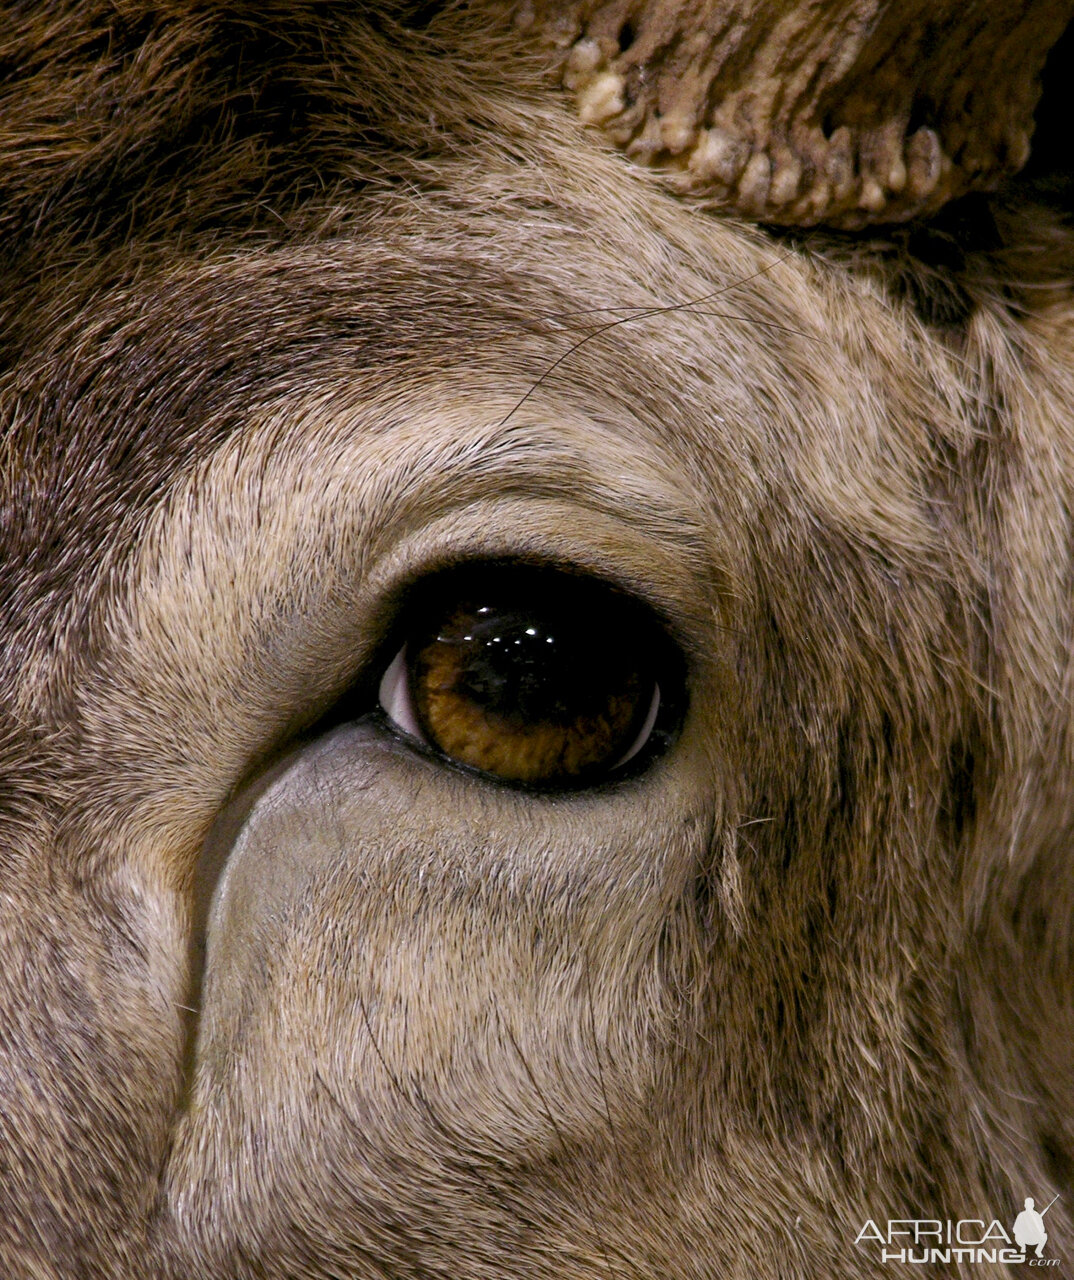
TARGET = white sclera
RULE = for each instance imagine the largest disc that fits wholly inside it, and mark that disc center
(644, 732)
(394, 697)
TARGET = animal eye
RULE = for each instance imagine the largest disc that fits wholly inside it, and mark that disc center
(536, 676)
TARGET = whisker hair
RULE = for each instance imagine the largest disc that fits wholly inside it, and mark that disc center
(642, 315)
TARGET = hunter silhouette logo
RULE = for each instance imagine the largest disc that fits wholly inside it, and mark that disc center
(965, 1240)
(1029, 1229)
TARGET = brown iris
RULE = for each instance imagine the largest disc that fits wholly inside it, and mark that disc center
(533, 675)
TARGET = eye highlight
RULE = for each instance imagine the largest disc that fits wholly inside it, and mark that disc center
(536, 676)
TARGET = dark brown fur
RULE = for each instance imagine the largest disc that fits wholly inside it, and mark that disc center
(286, 295)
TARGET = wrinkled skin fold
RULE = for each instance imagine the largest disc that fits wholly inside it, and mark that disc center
(282, 995)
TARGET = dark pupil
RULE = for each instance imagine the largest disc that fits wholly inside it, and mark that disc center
(532, 675)
(527, 668)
